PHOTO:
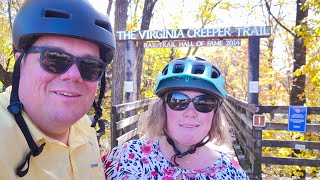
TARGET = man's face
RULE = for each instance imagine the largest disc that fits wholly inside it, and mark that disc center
(56, 101)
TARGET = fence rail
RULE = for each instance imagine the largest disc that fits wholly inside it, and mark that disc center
(124, 119)
(239, 115)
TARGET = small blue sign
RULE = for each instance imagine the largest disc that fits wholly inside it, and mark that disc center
(297, 120)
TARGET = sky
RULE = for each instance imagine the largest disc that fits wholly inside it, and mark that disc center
(101, 5)
(170, 8)
(188, 8)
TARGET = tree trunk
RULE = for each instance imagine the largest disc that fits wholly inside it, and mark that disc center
(109, 7)
(145, 23)
(299, 55)
(5, 77)
(118, 69)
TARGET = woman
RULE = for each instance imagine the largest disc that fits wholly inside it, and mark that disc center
(179, 125)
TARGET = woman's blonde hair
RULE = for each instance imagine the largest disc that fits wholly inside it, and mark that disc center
(156, 121)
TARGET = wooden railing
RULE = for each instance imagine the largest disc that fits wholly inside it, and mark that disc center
(124, 120)
(239, 114)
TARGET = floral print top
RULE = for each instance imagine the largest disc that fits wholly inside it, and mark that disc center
(142, 159)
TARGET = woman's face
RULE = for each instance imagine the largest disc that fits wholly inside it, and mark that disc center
(189, 126)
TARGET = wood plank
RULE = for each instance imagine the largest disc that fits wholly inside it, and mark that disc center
(249, 107)
(113, 127)
(284, 127)
(127, 136)
(290, 161)
(285, 109)
(127, 121)
(245, 136)
(243, 117)
(247, 149)
(291, 144)
(132, 105)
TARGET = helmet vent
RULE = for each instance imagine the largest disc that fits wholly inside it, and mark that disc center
(56, 14)
(104, 25)
(198, 69)
(165, 71)
(178, 68)
(215, 73)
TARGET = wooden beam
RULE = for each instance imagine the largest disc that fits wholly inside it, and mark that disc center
(291, 144)
(285, 109)
(132, 105)
(128, 121)
(127, 136)
(290, 161)
(284, 127)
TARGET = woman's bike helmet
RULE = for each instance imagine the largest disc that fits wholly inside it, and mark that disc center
(191, 73)
(71, 18)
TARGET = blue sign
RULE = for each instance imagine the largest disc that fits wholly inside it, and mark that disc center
(297, 120)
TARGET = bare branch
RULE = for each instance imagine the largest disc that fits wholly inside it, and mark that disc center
(284, 27)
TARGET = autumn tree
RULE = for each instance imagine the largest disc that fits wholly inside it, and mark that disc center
(145, 24)
(297, 94)
(121, 9)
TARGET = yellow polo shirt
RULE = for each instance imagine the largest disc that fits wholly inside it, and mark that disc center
(80, 160)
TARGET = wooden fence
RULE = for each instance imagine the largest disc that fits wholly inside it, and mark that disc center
(124, 120)
(239, 114)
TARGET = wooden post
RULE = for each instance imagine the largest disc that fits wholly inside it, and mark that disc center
(257, 151)
(253, 98)
(253, 74)
(113, 127)
(130, 57)
(130, 54)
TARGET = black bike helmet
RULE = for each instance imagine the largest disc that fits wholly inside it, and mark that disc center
(71, 18)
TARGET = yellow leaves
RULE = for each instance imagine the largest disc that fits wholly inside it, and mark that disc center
(284, 152)
(298, 72)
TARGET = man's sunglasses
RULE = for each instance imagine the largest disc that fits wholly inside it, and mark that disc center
(203, 103)
(56, 61)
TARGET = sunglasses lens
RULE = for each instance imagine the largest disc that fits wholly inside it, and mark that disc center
(205, 103)
(55, 62)
(178, 101)
(90, 70)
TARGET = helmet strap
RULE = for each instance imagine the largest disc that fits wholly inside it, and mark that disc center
(97, 105)
(15, 108)
(190, 151)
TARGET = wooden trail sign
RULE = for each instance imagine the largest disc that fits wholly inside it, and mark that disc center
(185, 34)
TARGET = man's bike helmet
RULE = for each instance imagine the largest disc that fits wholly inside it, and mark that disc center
(191, 73)
(71, 18)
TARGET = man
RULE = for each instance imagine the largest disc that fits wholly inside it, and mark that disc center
(62, 49)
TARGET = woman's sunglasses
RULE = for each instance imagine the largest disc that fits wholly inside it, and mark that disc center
(56, 61)
(203, 103)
